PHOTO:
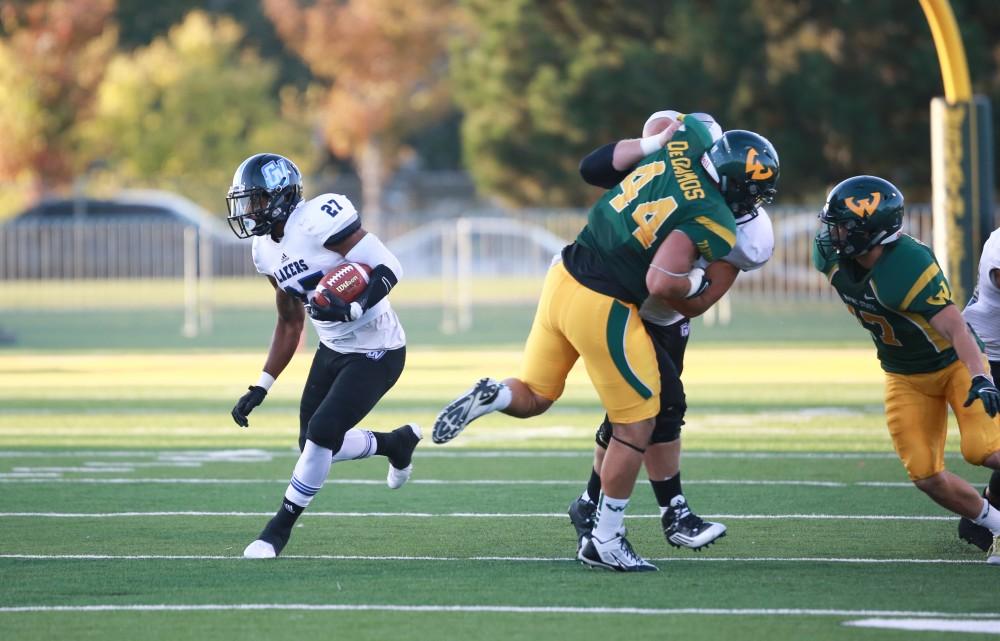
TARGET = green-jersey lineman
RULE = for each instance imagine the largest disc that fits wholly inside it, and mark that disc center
(895, 288)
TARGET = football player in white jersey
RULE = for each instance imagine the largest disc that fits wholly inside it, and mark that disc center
(667, 323)
(362, 347)
(982, 314)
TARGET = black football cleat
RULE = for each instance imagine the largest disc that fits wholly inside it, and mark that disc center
(973, 534)
(581, 515)
(684, 528)
(615, 554)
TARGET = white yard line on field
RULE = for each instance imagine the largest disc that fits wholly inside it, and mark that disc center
(47, 477)
(472, 515)
(449, 452)
(513, 609)
(532, 559)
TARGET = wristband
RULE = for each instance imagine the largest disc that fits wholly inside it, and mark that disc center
(265, 381)
(696, 277)
(649, 144)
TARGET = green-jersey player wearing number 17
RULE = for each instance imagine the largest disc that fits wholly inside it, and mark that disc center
(642, 238)
(893, 285)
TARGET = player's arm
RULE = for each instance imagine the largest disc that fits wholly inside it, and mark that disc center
(950, 324)
(365, 248)
(609, 165)
(672, 273)
(284, 341)
(721, 276)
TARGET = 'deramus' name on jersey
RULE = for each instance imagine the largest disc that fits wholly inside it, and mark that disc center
(687, 180)
(291, 269)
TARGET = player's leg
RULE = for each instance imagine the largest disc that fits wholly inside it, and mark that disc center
(547, 359)
(621, 364)
(916, 408)
(583, 509)
(681, 526)
(355, 383)
(980, 446)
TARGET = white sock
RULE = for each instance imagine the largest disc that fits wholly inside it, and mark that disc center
(989, 518)
(309, 474)
(610, 516)
(358, 444)
(503, 399)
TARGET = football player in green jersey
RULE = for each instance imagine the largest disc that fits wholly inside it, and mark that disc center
(642, 238)
(893, 285)
(669, 329)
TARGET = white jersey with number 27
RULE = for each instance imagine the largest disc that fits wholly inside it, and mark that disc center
(298, 261)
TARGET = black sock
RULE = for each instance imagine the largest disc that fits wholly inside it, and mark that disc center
(665, 491)
(279, 528)
(385, 443)
(994, 489)
(594, 485)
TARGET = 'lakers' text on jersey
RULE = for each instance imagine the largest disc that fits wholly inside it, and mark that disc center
(895, 301)
(299, 259)
(669, 190)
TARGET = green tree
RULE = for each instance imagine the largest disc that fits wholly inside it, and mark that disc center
(183, 112)
(840, 87)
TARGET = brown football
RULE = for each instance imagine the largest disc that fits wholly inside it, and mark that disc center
(346, 282)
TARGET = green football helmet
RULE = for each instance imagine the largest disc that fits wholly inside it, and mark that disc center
(860, 213)
(747, 167)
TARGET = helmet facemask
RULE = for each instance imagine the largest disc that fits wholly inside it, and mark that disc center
(265, 190)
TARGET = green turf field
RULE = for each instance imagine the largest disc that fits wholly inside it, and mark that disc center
(129, 494)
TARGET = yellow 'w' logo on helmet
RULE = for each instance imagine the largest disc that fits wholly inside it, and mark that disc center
(756, 170)
(864, 206)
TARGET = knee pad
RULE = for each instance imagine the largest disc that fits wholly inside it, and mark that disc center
(668, 424)
(603, 436)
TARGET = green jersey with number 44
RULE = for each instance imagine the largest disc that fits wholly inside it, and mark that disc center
(668, 191)
(895, 301)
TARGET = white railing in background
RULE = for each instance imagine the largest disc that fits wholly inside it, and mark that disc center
(462, 249)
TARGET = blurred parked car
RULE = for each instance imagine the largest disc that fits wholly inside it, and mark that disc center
(135, 234)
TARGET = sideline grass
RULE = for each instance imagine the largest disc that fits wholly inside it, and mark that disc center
(736, 396)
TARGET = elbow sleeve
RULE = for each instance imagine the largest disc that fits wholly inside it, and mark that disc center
(598, 169)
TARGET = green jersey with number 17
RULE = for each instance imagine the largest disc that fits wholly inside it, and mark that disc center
(895, 301)
(668, 191)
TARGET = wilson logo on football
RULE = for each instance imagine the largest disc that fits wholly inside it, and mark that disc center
(347, 284)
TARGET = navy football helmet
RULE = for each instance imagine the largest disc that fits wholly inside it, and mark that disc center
(265, 190)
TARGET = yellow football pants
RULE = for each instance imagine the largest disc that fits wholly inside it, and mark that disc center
(916, 410)
(573, 321)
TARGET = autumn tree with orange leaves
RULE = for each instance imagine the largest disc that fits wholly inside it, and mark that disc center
(52, 58)
(384, 65)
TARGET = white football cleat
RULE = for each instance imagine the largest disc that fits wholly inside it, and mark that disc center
(454, 418)
(259, 550)
(398, 476)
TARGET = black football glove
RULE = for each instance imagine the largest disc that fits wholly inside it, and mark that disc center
(247, 402)
(337, 310)
(984, 389)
